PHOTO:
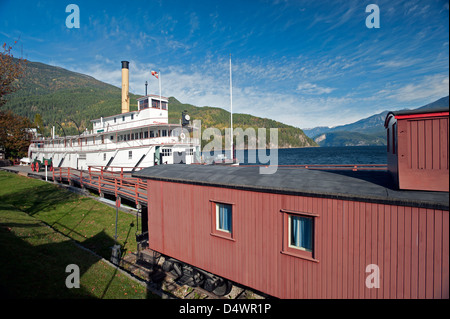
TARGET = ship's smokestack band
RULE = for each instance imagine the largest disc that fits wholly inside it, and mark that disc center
(125, 85)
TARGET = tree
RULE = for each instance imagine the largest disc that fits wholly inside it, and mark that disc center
(11, 70)
(15, 134)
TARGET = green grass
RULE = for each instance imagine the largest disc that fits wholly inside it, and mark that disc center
(40, 225)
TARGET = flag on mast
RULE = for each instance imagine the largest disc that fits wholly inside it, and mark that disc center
(157, 75)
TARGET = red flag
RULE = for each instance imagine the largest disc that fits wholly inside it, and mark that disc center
(155, 74)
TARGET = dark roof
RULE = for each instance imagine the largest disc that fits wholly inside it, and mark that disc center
(367, 186)
(421, 111)
(416, 111)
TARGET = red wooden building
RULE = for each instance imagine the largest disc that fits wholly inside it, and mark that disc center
(418, 148)
(302, 233)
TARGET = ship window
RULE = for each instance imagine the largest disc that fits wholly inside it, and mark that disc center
(123, 118)
(164, 133)
(130, 154)
(136, 136)
(114, 120)
(143, 104)
(132, 136)
(166, 152)
(140, 135)
(104, 156)
(132, 116)
(152, 134)
(111, 137)
(164, 105)
(146, 134)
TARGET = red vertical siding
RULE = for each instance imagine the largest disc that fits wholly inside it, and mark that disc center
(410, 245)
(422, 154)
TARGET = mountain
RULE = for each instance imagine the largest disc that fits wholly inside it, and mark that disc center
(346, 138)
(442, 102)
(365, 132)
(69, 99)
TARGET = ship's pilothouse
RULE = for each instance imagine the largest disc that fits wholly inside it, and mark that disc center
(128, 140)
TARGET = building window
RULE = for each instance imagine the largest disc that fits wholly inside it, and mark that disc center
(224, 217)
(394, 138)
(388, 138)
(222, 220)
(299, 230)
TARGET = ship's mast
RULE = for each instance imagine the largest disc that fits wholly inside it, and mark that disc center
(231, 112)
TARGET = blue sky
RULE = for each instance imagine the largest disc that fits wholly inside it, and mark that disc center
(304, 63)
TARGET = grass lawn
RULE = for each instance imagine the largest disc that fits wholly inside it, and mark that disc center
(34, 256)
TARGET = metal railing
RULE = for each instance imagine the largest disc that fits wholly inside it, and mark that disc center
(120, 183)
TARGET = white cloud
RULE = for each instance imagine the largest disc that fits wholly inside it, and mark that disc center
(311, 88)
(428, 87)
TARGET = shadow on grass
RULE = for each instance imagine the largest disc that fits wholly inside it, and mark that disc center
(30, 271)
(34, 257)
(38, 271)
(36, 199)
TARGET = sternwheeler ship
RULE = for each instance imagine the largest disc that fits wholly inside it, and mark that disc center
(128, 140)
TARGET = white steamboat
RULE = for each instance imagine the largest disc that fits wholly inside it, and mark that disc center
(128, 140)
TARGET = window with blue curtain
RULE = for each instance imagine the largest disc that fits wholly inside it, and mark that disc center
(301, 229)
(224, 215)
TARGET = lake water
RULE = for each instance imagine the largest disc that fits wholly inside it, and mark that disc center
(327, 155)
